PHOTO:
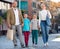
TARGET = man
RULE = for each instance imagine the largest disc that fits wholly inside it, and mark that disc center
(15, 21)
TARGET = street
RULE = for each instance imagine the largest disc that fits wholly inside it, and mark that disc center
(54, 43)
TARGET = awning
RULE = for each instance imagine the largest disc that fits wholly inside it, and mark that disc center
(7, 1)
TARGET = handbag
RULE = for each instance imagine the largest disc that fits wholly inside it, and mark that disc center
(48, 21)
(10, 34)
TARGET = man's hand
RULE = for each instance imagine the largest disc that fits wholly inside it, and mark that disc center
(22, 25)
(9, 26)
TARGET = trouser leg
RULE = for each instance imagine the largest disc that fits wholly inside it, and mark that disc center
(19, 31)
(47, 32)
(33, 36)
(14, 35)
(26, 37)
(43, 31)
(36, 36)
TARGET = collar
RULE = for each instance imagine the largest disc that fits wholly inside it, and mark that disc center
(14, 8)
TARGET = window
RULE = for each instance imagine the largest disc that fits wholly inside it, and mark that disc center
(24, 5)
(34, 4)
(4, 5)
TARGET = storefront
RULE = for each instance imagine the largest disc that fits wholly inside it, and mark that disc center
(4, 6)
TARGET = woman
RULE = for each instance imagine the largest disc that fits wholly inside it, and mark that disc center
(42, 22)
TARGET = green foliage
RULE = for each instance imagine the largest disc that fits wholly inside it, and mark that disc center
(24, 11)
(0, 20)
(5, 15)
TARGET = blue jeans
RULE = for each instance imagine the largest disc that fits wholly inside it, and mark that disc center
(45, 31)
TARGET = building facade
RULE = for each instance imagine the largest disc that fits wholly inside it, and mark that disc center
(4, 6)
(27, 5)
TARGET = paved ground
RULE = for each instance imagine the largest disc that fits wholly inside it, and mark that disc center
(53, 43)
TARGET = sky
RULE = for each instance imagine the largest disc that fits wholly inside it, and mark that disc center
(56, 0)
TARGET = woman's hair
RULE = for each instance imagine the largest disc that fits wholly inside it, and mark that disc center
(42, 4)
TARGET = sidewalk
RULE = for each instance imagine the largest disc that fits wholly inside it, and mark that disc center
(54, 43)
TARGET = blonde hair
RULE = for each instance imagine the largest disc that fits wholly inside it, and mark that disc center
(43, 4)
(34, 15)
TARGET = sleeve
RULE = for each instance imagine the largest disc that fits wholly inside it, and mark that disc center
(49, 14)
(29, 21)
(39, 18)
(30, 24)
(8, 17)
(37, 22)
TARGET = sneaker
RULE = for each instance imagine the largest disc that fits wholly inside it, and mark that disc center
(15, 45)
(27, 46)
(45, 44)
(22, 46)
(35, 45)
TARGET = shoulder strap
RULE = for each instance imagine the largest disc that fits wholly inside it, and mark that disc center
(47, 13)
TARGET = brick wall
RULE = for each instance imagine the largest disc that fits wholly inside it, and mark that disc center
(30, 8)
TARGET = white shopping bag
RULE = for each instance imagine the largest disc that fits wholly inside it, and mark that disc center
(10, 34)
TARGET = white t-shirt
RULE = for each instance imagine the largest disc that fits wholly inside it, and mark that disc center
(17, 22)
(43, 14)
(34, 23)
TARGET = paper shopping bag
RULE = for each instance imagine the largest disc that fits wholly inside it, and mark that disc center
(10, 34)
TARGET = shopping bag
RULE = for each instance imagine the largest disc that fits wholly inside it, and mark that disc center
(48, 21)
(10, 34)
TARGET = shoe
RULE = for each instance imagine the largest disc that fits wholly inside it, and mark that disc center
(27, 46)
(35, 45)
(22, 46)
(15, 45)
(45, 44)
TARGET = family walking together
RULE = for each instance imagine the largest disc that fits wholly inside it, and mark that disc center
(16, 21)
